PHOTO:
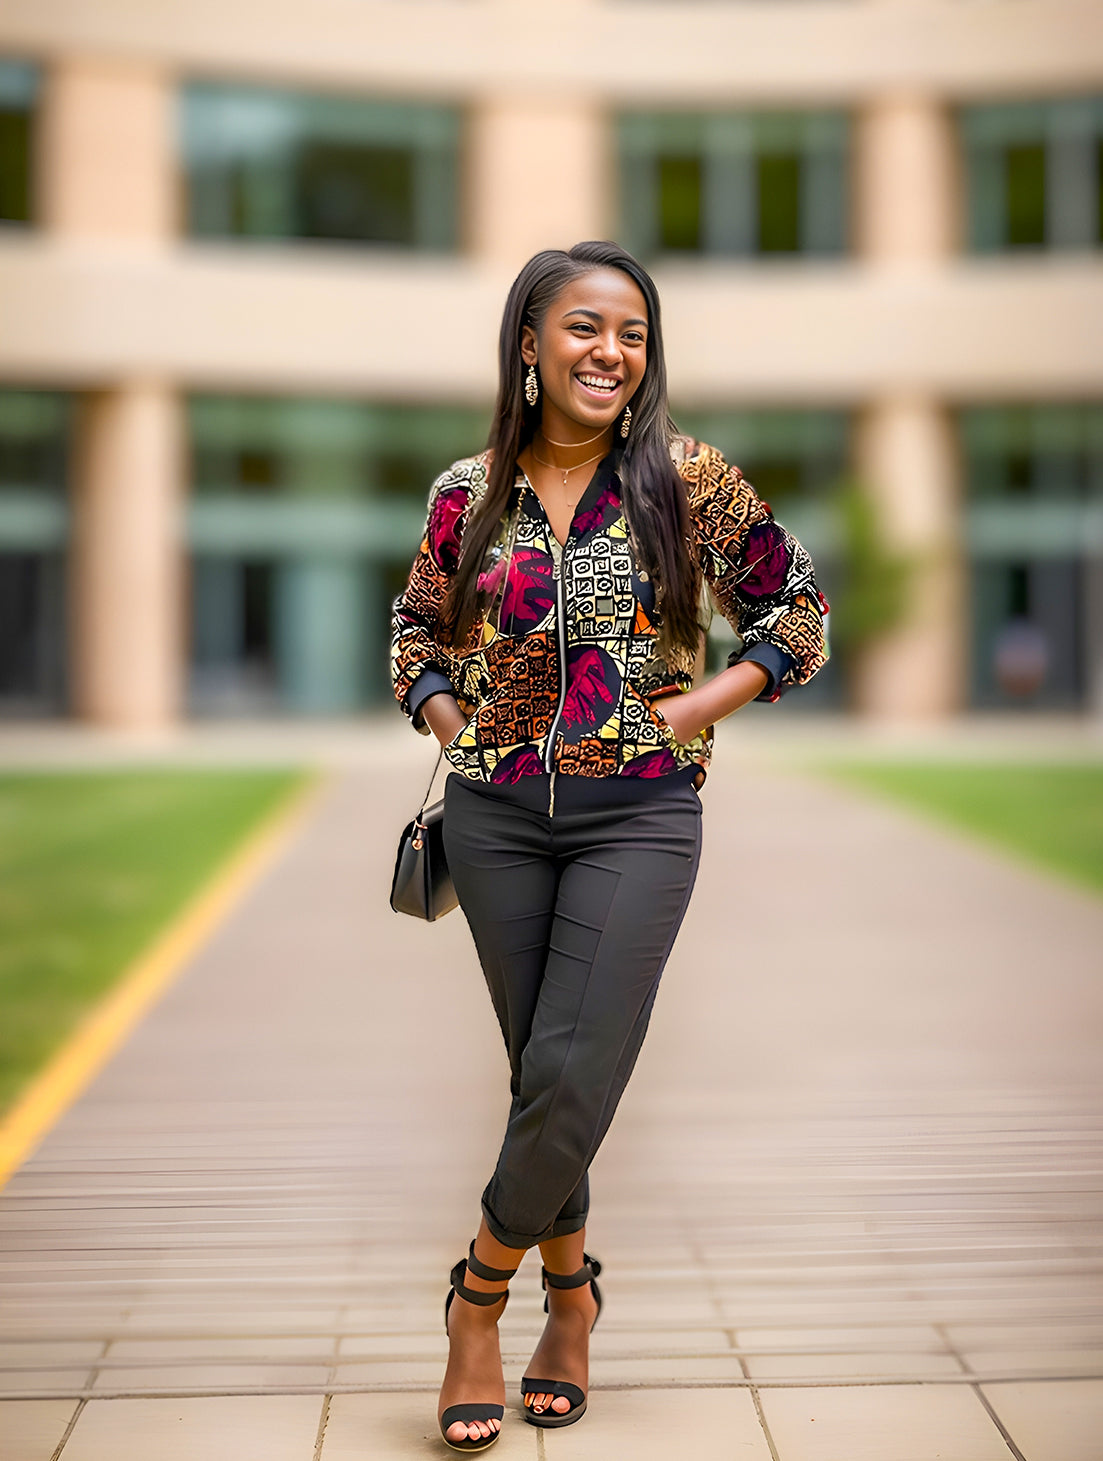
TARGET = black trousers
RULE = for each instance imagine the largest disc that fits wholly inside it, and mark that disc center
(573, 916)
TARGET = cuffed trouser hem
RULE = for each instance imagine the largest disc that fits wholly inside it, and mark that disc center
(561, 1228)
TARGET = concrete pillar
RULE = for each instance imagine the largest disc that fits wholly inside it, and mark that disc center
(908, 461)
(907, 218)
(538, 177)
(126, 627)
(106, 151)
(907, 207)
(107, 176)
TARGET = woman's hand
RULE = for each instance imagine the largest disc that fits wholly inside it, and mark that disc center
(443, 716)
(687, 715)
(680, 715)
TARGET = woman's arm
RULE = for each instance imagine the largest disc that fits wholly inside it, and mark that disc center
(443, 716)
(725, 693)
(421, 665)
(763, 581)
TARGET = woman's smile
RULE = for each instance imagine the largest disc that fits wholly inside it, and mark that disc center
(602, 386)
(590, 353)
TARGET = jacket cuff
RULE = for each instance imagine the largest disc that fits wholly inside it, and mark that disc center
(774, 661)
(429, 682)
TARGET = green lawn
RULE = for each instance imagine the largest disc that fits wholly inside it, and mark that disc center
(1051, 814)
(92, 865)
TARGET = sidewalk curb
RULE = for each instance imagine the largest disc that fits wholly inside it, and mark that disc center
(107, 1026)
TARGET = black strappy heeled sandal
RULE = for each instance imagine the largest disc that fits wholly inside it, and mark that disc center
(466, 1414)
(549, 1419)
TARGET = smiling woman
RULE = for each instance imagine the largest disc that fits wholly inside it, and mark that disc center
(553, 604)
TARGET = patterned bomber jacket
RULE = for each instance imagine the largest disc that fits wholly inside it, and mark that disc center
(558, 674)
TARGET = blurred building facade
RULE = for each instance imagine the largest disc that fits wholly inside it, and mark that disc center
(253, 259)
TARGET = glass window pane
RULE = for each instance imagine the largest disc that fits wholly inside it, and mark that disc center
(734, 183)
(351, 192)
(18, 92)
(288, 165)
(326, 448)
(34, 439)
(1034, 480)
(34, 449)
(1033, 451)
(1034, 174)
(303, 510)
(778, 183)
(1026, 196)
(680, 180)
(801, 454)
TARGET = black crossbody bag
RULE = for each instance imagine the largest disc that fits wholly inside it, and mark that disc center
(422, 884)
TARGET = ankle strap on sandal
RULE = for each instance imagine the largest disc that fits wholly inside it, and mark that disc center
(484, 1271)
(589, 1270)
(473, 1296)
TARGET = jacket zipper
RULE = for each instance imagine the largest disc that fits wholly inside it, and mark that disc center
(561, 625)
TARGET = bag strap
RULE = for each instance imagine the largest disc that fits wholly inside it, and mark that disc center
(429, 788)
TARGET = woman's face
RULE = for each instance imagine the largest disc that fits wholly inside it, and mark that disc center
(590, 353)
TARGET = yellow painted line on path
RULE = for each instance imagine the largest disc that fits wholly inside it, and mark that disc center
(105, 1029)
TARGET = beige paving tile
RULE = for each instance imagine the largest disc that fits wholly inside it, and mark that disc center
(31, 1382)
(834, 1366)
(392, 1372)
(1084, 1334)
(654, 1425)
(31, 1429)
(882, 1423)
(230, 1319)
(662, 1369)
(386, 1346)
(404, 1427)
(1052, 1420)
(213, 1379)
(39, 1353)
(395, 1318)
(1058, 1363)
(312, 1347)
(620, 1340)
(214, 1428)
(865, 1340)
(214, 1364)
(647, 1310)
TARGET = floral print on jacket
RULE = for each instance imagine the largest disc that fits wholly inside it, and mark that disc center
(559, 672)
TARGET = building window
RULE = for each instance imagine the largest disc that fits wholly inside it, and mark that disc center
(34, 445)
(743, 185)
(266, 164)
(1033, 174)
(304, 520)
(1034, 520)
(795, 460)
(18, 94)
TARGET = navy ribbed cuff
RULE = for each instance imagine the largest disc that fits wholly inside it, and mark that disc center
(429, 682)
(774, 661)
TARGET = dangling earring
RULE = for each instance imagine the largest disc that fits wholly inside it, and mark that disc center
(626, 424)
(532, 387)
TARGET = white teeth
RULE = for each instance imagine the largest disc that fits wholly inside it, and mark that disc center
(597, 383)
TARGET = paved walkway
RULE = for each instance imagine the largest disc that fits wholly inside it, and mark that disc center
(850, 1207)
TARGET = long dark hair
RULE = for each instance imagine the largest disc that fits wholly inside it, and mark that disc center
(652, 492)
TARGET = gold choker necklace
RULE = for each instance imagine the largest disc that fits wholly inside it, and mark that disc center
(574, 443)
